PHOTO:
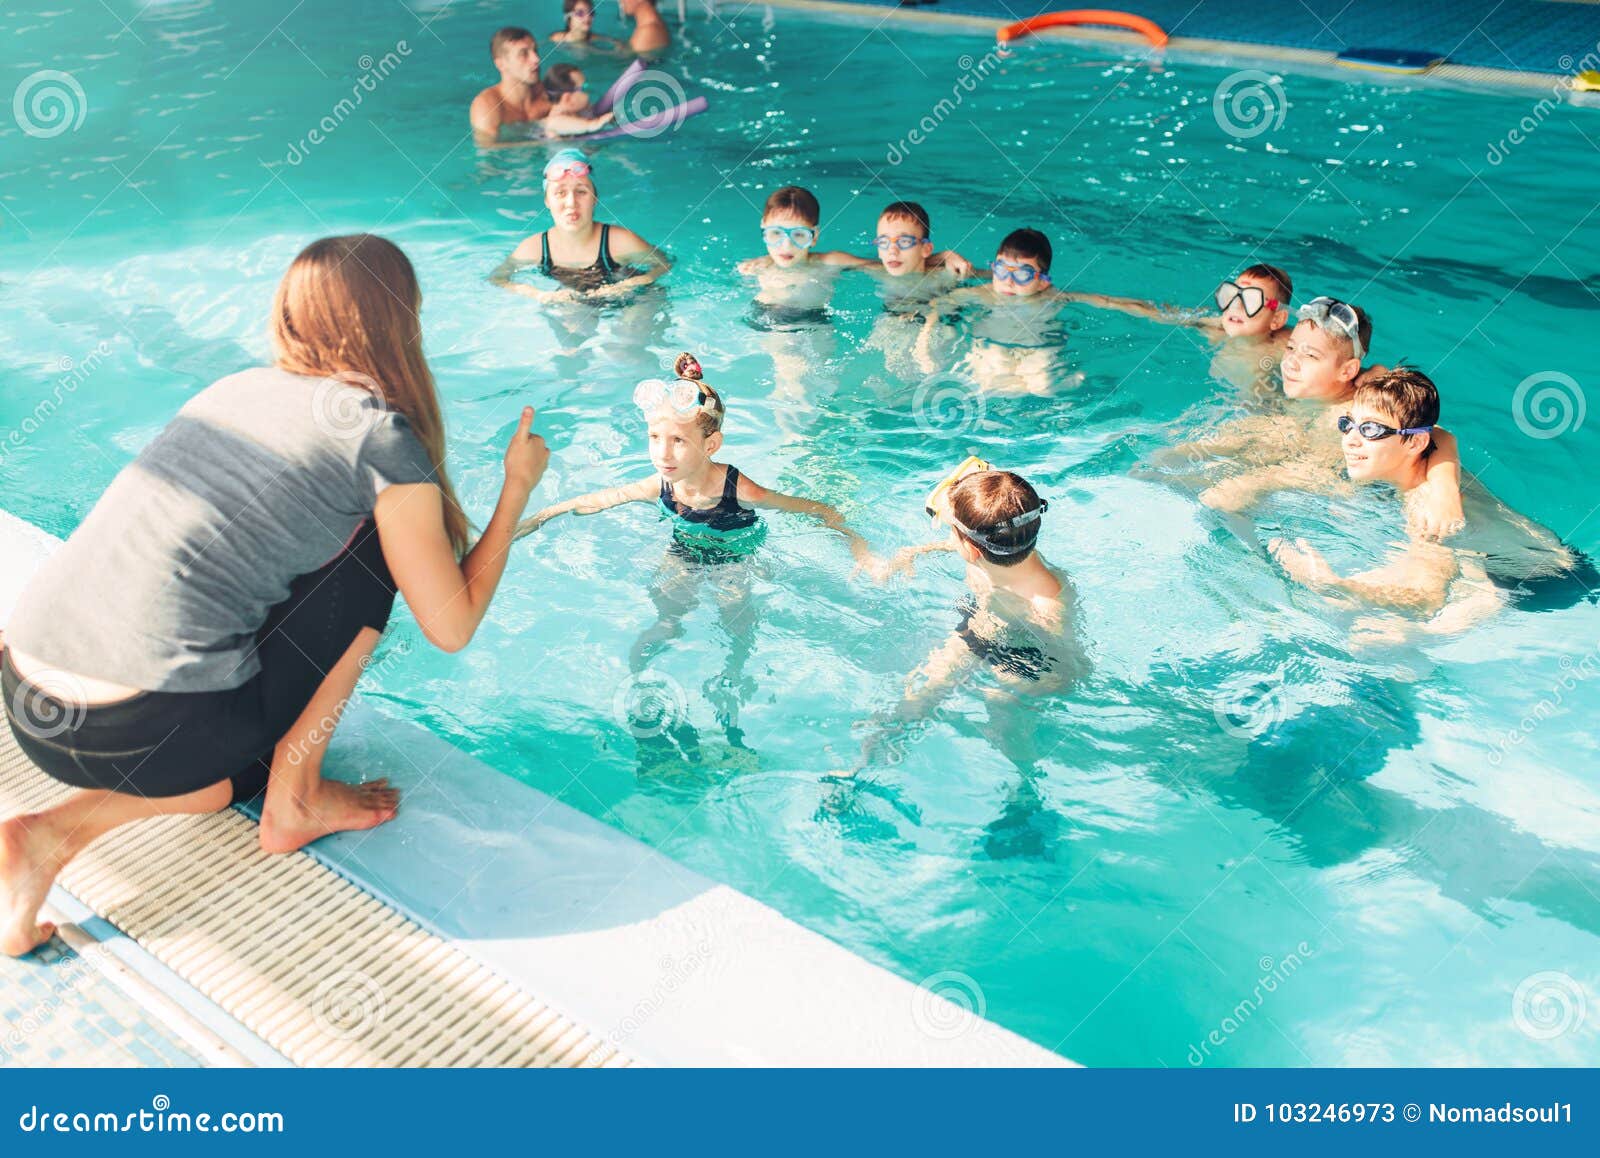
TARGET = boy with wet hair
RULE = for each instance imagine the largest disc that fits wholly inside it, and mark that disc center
(910, 275)
(1321, 365)
(1018, 621)
(1017, 343)
(520, 96)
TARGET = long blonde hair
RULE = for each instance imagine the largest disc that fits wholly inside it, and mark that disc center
(349, 306)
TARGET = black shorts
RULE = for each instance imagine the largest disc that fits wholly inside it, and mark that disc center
(171, 743)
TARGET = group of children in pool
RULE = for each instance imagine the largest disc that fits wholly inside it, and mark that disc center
(1360, 423)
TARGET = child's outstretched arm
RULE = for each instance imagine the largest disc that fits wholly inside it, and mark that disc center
(753, 494)
(593, 503)
(1243, 491)
(1138, 308)
(1418, 580)
(905, 559)
(1438, 512)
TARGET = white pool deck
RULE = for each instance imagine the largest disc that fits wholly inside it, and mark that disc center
(669, 966)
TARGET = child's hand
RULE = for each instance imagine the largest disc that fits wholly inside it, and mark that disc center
(1302, 562)
(1438, 513)
(750, 265)
(877, 569)
(532, 523)
(904, 561)
(1230, 495)
(955, 263)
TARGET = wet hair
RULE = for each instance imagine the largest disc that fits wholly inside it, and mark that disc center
(989, 498)
(1404, 393)
(1363, 331)
(708, 422)
(509, 35)
(568, 5)
(1282, 284)
(910, 211)
(793, 199)
(1028, 245)
(562, 78)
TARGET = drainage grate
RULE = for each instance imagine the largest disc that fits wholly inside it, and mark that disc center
(321, 971)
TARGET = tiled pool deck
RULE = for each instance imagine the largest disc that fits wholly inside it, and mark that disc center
(58, 1009)
(1544, 36)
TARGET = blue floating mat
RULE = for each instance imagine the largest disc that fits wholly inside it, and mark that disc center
(1390, 59)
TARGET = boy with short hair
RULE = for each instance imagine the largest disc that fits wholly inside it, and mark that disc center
(1017, 343)
(1388, 434)
(911, 275)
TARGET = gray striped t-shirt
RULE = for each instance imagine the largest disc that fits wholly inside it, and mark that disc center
(261, 478)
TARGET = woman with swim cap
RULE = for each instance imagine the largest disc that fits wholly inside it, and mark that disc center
(590, 260)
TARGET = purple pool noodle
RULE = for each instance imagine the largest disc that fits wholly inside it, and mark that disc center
(619, 86)
(655, 122)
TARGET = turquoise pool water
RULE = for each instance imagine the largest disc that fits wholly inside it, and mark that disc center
(1241, 841)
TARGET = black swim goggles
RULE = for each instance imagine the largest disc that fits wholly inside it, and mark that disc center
(1252, 299)
(985, 537)
(1375, 431)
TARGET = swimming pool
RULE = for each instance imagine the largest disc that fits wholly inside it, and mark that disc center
(1243, 842)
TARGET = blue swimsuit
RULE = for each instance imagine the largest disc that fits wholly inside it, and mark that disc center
(727, 515)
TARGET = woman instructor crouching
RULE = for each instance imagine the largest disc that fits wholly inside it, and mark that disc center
(194, 637)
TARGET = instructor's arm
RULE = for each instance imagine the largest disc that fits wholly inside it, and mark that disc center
(448, 598)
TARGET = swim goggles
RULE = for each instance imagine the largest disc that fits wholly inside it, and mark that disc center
(938, 496)
(1374, 431)
(1252, 298)
(680, 396)
(800, 236)
(901, 241)
(1341, 317)
(985, 537)
(1012, 271)
(567, 163)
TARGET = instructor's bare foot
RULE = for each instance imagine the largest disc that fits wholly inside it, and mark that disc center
(27, 869)
(288, 824)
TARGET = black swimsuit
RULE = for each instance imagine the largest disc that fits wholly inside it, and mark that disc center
(1021, 660)
(727, 515)
(603, 271)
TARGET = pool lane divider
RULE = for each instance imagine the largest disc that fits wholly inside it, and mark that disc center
(489, 924)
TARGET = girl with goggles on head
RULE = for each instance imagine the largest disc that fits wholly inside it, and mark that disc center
(579, 28)
(587, 258)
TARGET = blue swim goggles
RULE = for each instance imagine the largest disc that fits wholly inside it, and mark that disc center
(800, 236)
(901, 241)
(1375, 431)
(1017, 273)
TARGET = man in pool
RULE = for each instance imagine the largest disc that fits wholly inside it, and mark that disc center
(1250, 327)
(1322, 362)
(650, 36)
(520, 97)
(1019, 619)
(1017, 345)
(1388, 431)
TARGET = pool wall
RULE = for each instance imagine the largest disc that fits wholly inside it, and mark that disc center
(671, 967)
